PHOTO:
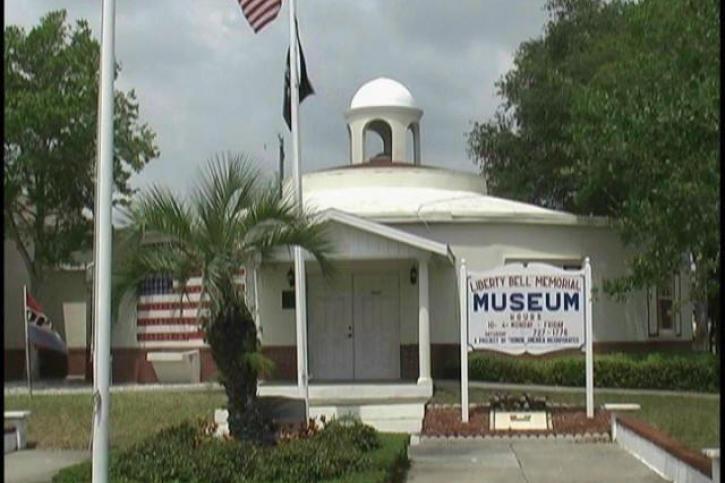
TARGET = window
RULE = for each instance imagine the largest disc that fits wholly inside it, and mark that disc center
(665, 309)
(288, 299)
(663, 314)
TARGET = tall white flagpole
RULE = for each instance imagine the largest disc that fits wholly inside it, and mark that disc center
(27, 340)
(102, 279)
(300, 288)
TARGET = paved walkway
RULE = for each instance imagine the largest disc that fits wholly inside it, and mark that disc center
(81, 387)
(525, 462)
(39, 466)
(501, 386)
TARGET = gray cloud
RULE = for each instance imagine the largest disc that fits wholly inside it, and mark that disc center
(206, 83)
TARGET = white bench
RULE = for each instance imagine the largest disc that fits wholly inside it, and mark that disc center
(19, 421)
(176, 367)
(621, 407)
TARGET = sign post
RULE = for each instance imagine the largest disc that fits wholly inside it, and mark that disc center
(534, 308)
(463, 295)
(589, 356)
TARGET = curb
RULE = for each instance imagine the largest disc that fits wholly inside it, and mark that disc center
(572, 438)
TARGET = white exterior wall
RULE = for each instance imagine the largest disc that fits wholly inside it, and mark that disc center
(485, 246)
(123, 327)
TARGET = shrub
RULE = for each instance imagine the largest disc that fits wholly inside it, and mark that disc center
(338, 449)
(166, 456)
(186, 453)
(690, 372)
(350, 431)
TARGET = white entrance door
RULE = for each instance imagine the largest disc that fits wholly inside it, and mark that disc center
(376, 326)
(329, 329)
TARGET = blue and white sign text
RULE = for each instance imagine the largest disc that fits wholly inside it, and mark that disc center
(536, 309)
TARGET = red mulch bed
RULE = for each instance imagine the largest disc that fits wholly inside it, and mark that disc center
(445, 421)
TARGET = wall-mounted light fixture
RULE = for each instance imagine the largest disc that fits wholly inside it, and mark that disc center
(413, 276)
(291, 277)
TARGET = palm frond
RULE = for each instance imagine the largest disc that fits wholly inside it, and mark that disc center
(228, 185)
(158, 213)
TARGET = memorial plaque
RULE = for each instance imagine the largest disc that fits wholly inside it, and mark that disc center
(520, 420)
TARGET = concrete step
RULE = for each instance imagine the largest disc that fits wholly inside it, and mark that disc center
(389, 417)
(402, 425)
(370, 411)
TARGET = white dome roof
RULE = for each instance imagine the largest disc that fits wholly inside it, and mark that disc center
(418, 194)
(382, 92)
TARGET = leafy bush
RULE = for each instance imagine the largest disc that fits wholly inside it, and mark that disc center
(186, 453)
(690, 372)
(166, 456)
(350, 431)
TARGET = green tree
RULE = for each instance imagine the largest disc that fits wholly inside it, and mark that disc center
(232, 220)
(615, 112)
(645, 132)
(524, 152)
(51, 104)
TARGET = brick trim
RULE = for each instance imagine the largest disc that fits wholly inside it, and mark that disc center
(78, 361)
(698, 461)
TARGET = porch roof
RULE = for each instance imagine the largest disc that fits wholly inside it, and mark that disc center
(375, 228)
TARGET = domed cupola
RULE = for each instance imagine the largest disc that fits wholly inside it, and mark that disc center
(386, 107)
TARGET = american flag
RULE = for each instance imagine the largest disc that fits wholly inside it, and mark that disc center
(166, 319)
(260, 12)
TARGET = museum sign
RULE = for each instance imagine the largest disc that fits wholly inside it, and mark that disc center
(533, 309)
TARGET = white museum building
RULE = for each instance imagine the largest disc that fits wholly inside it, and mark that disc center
(386, 323)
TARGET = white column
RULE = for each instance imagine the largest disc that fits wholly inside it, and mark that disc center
(398, 133)
(357, 142)
(423, 323)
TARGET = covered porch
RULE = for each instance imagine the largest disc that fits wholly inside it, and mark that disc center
(365, 323)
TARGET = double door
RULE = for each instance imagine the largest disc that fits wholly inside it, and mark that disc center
(354, 327)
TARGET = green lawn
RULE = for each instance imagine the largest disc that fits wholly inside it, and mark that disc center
(694, 421)
(65, 421)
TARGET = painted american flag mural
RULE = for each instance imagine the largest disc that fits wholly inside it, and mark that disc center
(165, 319)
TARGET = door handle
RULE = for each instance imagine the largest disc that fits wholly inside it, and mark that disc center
(349, 333)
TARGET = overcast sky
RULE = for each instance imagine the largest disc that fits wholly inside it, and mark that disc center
(206, 83)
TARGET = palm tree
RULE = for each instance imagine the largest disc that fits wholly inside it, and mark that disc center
(232, 219)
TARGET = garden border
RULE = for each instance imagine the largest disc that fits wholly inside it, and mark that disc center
(661, 452)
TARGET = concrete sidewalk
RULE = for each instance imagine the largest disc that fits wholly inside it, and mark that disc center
(16, 388)
(81, 387)
(524, 462)
(39, 466)
(452, 385)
